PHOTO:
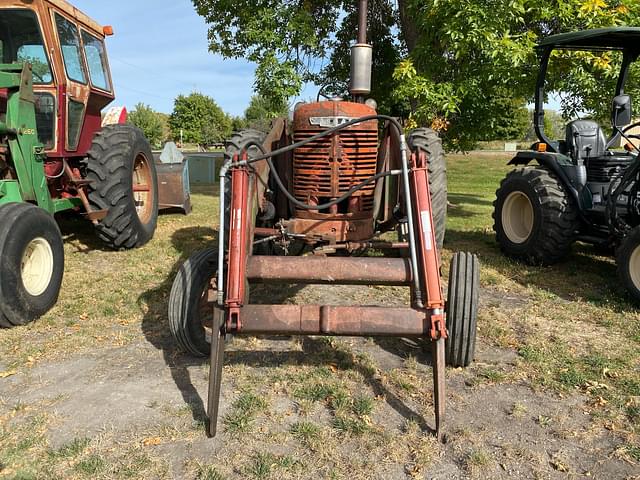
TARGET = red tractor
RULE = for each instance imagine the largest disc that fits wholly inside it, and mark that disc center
(56, 155)
(304, 208)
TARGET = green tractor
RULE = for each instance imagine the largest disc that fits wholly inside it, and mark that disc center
(57, 154)
(583, 187)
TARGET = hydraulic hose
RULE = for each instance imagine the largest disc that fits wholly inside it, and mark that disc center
(323, 206)
(268, 155)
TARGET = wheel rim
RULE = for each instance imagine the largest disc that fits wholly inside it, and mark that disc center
(634, 267)
(517, 217)
(205, 313)
(36, 268)
(142, 188)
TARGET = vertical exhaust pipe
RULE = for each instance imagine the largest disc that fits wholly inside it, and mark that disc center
(361, 57)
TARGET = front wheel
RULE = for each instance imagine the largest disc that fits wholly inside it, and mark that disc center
(190, 313)
(534, 219)
(628, 260)
(123, 179)
(462, 309)
(31, 263)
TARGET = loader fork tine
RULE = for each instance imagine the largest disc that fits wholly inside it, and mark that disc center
(439, 393)
(215, 379)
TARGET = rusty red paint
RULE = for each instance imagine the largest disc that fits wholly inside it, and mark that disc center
(426, 243)
(327, 168)
(331, 270)
(238, 233)
(334, 320)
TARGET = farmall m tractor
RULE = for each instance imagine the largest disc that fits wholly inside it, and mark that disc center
(56, 156)
(582, 187)
(301, 205)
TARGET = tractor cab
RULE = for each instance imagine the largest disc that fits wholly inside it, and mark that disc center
(587, 158)
(586, 139)
(71, 78)
(582, 187)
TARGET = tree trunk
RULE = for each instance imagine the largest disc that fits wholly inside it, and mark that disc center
(409, 30)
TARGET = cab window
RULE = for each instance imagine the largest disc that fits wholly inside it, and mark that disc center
(96, 61)
(71, 53)
(22, 42)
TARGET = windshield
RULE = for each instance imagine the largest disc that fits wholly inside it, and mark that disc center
(21, 42)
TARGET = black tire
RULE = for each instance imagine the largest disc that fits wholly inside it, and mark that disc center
(117, 154)
(462, 309)
(534, 219)
(628, 261)
(29, 236)
(428, 140)
(186, 301)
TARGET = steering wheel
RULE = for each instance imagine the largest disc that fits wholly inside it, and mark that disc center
(631, 127)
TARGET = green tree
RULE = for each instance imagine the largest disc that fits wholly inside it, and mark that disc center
(261, 111)
(152, 123)
(200, 119)
(513, 123)
(456, 58)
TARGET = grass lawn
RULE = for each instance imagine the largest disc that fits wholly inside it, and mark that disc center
(96, 389)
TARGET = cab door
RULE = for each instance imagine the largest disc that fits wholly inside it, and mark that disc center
(76, 92)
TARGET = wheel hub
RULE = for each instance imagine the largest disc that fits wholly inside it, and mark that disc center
(142, 191)
(36, 267)
(517, 217)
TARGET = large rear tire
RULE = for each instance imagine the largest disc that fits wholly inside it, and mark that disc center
(534, 219)
(428, 140)
(190, 314)
(628, 261)
(462, 309)
(123, 179)
(31, 263)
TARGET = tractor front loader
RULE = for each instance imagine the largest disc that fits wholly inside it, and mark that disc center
(56, 156)
(303, 208)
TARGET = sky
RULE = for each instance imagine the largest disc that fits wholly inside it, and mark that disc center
(160, 50)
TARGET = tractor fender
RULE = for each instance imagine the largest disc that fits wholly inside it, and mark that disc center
(573, 177)
(115, 116)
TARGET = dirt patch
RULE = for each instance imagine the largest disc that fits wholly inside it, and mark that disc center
(496, 427)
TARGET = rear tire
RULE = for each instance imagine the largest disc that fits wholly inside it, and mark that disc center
(119, 160)
(190, 315)
(534, 219)
(462, 309)
(31, 263)
(628, 261)
(428, 140)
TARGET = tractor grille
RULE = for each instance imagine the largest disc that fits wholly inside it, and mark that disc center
(327, 168)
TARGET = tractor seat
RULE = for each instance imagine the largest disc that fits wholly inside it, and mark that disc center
(585, 139)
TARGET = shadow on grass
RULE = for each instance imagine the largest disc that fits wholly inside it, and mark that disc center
(155, 324)
(75, 227)
(583, 275)
(457, 198)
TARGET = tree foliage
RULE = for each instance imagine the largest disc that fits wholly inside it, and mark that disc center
(283, 38)
(152, 123)
(200, 119)
(453, 61)
(261, 111)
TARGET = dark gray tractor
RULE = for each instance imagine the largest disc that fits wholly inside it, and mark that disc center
(583, 187)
